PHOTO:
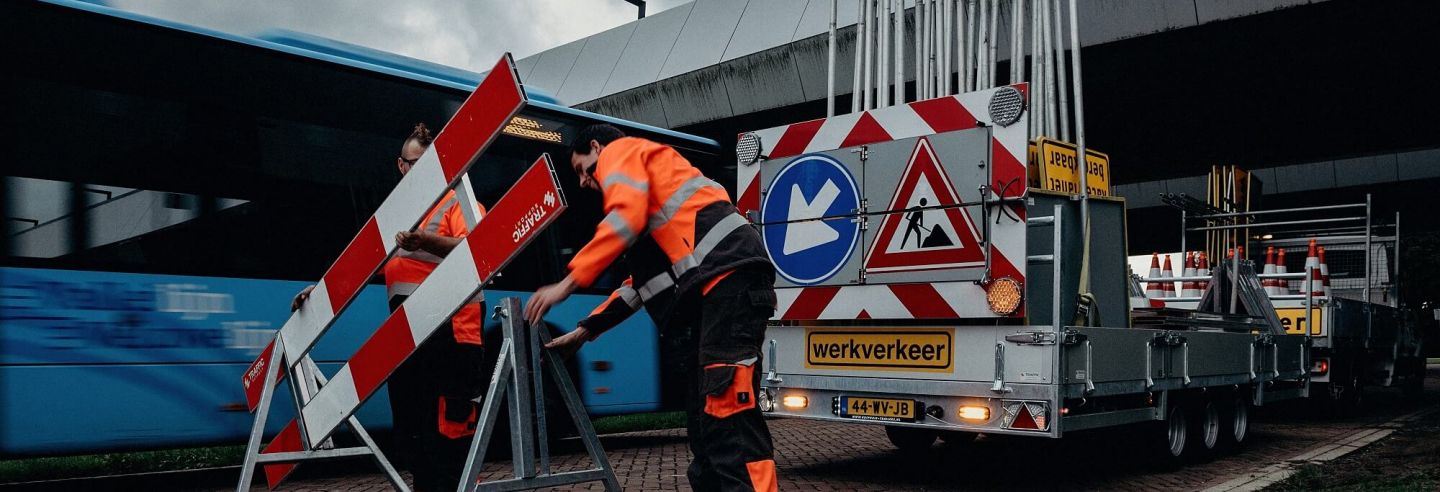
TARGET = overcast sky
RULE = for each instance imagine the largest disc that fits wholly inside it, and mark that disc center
(469, 34)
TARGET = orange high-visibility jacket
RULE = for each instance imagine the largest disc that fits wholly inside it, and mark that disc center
(408, 269)
(677, 229)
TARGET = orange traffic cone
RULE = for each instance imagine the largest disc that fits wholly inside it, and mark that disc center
(1324, 273)
(1168, 287)
(1271, 287)
(1312, 266)
(1189, 288)
(1202, 268)
(1153, 289)
(1282, 286)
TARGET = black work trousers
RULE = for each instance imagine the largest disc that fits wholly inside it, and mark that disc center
(728, 436)
(431, 390)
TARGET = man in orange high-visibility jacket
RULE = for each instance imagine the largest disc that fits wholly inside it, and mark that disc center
(432, 393)
(697, 267)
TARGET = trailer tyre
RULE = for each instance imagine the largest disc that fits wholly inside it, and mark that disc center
(1235, 418)
(1167, 438)
(1203, 428)
(910, 439)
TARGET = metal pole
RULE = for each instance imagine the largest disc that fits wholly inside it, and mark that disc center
(830, 63)
(1017, 46)
(1280, 210)
(944, 40)
(1080, 132)
(1036, 118)
(855, 69)
(922, 47)
(1368, 234)
(991, 62)
(982, 40)
(1396, 280)
(865, 101)
(1182, 231)
(961, 46)
(1049, 77)
(882, 45)
(1062, 87)
(899, 48)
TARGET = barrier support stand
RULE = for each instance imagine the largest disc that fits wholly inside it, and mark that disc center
(518, 374)
(308, 371)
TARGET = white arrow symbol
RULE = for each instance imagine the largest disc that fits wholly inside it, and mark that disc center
(800, 236)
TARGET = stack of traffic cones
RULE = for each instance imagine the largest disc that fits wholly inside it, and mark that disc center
(1312, 266)
(1189, 288)
(1153, 289)
(1282, 286)
(1324, 273)
(1168, 287)
(1272, 286)
(1202, 268)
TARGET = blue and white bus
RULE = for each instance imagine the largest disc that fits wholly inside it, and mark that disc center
(167, 189)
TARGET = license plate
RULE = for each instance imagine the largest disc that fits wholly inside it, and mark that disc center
(881, 409)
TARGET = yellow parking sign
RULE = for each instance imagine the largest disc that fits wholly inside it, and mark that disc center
(1056, 168)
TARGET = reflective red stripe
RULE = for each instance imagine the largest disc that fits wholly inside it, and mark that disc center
(795, 139)
(811, 302)
(944, 114)
(1008, 170)
(354, 266)
(477, 122)
(922, 301)
(286, 442)
(866, 131)
(381, 354)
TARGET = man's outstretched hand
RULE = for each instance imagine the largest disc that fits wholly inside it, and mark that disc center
(547, 297)
(566, 345)
(300, 298)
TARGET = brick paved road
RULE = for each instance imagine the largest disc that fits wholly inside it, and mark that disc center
(824, 456)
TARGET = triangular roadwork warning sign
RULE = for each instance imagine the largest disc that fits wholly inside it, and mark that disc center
(924, 237)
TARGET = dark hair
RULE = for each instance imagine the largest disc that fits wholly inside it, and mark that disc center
(421, 135)
(602, 133)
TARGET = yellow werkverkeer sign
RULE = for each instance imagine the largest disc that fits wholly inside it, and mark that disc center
(1293, 319)
(1057, 168)
(900, 349)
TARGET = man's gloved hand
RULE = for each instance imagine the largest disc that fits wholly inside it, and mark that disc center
(410, 241)
(300, 298)
(566, 345)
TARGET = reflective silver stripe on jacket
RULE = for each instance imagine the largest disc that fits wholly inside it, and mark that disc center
(672, 205)
(617, 178)
(630, 296)
(621, 228)
(703, 247)
(420, 255)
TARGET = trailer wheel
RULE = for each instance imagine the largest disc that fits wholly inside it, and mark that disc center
(910, 439)
(1167, 438)
(1203, 430)
(1236, 419)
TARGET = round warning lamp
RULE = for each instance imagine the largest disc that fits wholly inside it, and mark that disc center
(1003, 295)
(747, 149)
(1006, 106)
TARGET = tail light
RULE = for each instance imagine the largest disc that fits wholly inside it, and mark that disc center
(1003, 295)
(1026, 415)
(1321, 367)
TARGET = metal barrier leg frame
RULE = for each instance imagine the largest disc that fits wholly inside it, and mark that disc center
(253, 454)
(518, 374)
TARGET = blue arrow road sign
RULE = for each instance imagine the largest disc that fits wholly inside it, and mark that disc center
(809, 187)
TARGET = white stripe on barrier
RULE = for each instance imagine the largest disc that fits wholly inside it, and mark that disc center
(906, 121)
(419, 190)
(443, 293)
(305, 324)
(878, 301)
(784, 298)
(832, 133)
(966, 298)
(331, 404)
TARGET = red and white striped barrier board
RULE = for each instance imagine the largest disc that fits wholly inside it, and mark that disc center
(530, 206)
(912, 300)
(473, 128)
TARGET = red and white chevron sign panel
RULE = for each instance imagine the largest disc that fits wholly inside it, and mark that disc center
(995, 109)
(470, 131)
(530, 206)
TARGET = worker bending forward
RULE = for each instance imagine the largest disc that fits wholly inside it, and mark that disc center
(698, 267)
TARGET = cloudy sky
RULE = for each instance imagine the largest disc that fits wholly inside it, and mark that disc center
(469, 34)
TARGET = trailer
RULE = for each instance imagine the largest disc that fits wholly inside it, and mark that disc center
(925, 288)
(1362, 335)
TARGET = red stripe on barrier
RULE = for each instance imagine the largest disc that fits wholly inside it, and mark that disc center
(749, 198)
(923, 301)
(253, 379)
(479, 119)
(944, 114)
(1008, 170)
(795, 139)
(525, 210)
(381, 354)
(286, 442)
(354, 266)
(866, 131)
(811, 302)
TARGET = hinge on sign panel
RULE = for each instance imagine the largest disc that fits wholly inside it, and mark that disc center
(864, 152)
(1031, 338)
(1073, 336)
